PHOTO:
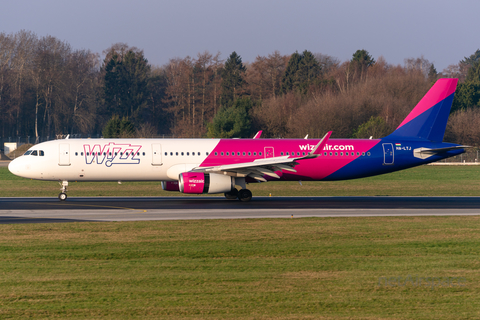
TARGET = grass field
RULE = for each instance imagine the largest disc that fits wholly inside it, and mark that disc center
(316, 268)
(323, 268)
(420, 181)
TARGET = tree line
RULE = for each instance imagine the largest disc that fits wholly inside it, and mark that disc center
(48, 89)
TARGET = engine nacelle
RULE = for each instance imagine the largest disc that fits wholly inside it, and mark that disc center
(170, 186)
(199, 182)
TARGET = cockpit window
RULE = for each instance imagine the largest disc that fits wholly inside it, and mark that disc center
(34, 153)
(41, 153)
(27, 153)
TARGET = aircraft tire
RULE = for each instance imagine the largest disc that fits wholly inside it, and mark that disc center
(232, 195)
(244, 195)
(62, 196)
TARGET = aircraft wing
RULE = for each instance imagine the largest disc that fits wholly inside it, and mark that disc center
(258, 168)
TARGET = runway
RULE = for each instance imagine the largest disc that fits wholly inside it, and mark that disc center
(47, 210)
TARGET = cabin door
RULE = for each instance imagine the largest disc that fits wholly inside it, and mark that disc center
(156, 154)
(64, 155)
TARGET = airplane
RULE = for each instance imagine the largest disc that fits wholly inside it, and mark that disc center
(196, 166)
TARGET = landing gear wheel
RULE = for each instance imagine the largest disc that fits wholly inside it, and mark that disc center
(63, 194)
(232, 195)
(244, 195)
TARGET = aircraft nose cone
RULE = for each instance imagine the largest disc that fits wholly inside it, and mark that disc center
(14, 166)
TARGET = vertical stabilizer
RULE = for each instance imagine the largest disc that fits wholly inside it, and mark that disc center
(428, 119)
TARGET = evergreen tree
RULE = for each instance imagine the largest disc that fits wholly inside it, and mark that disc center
(363, 58)
(467, 94)
(232, 80)
(126, 84)
(302, 70)
(289, 80)
(118, 128)
(432, 73)
(232, 122)
(470, 61)
(376, 127)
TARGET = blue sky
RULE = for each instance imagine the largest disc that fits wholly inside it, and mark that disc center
(444, 32)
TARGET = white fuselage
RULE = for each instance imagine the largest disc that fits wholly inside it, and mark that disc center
(112, 159)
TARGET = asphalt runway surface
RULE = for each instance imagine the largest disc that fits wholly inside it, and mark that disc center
(47, 210)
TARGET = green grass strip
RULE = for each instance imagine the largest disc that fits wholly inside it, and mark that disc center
(318, 268)
(419, 181)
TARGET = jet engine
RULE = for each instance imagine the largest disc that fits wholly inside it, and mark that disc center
(199, 182)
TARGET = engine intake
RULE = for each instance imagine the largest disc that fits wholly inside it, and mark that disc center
(199, 182)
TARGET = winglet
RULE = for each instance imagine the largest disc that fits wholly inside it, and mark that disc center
(317, 150)
(257, 136)
(321, 144)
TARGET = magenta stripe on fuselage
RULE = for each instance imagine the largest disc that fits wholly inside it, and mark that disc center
(247, 150)
(441, 89)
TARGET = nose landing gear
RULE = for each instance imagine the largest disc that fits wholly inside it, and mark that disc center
(63, 195)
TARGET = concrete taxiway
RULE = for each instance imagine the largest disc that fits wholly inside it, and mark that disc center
(45, 210)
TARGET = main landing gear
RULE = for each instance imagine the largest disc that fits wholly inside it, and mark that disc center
(243, 195)
(63, 195)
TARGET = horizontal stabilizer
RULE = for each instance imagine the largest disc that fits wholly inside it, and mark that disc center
(424, 153)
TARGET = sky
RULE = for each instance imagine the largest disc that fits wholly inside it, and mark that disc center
(444, 32)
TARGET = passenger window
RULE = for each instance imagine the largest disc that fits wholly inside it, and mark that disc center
(254, 153)
(216, 153)
(171, 153)
(259, 153)
(76, 154)
(324, 153)
(188, 153)
(207, 153)
(281, 153)
(166, 153)
(249, 153)
(144, 154)
(341, 153)
(363, 153)
(298, 153)
(221, 153)
(243, 153)
(331, 153)
(182, 153)
(176, 153)
(238, 153)
(368, 154)
(81, 153)
(303, 153)
(228, 154)
(336, 153)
